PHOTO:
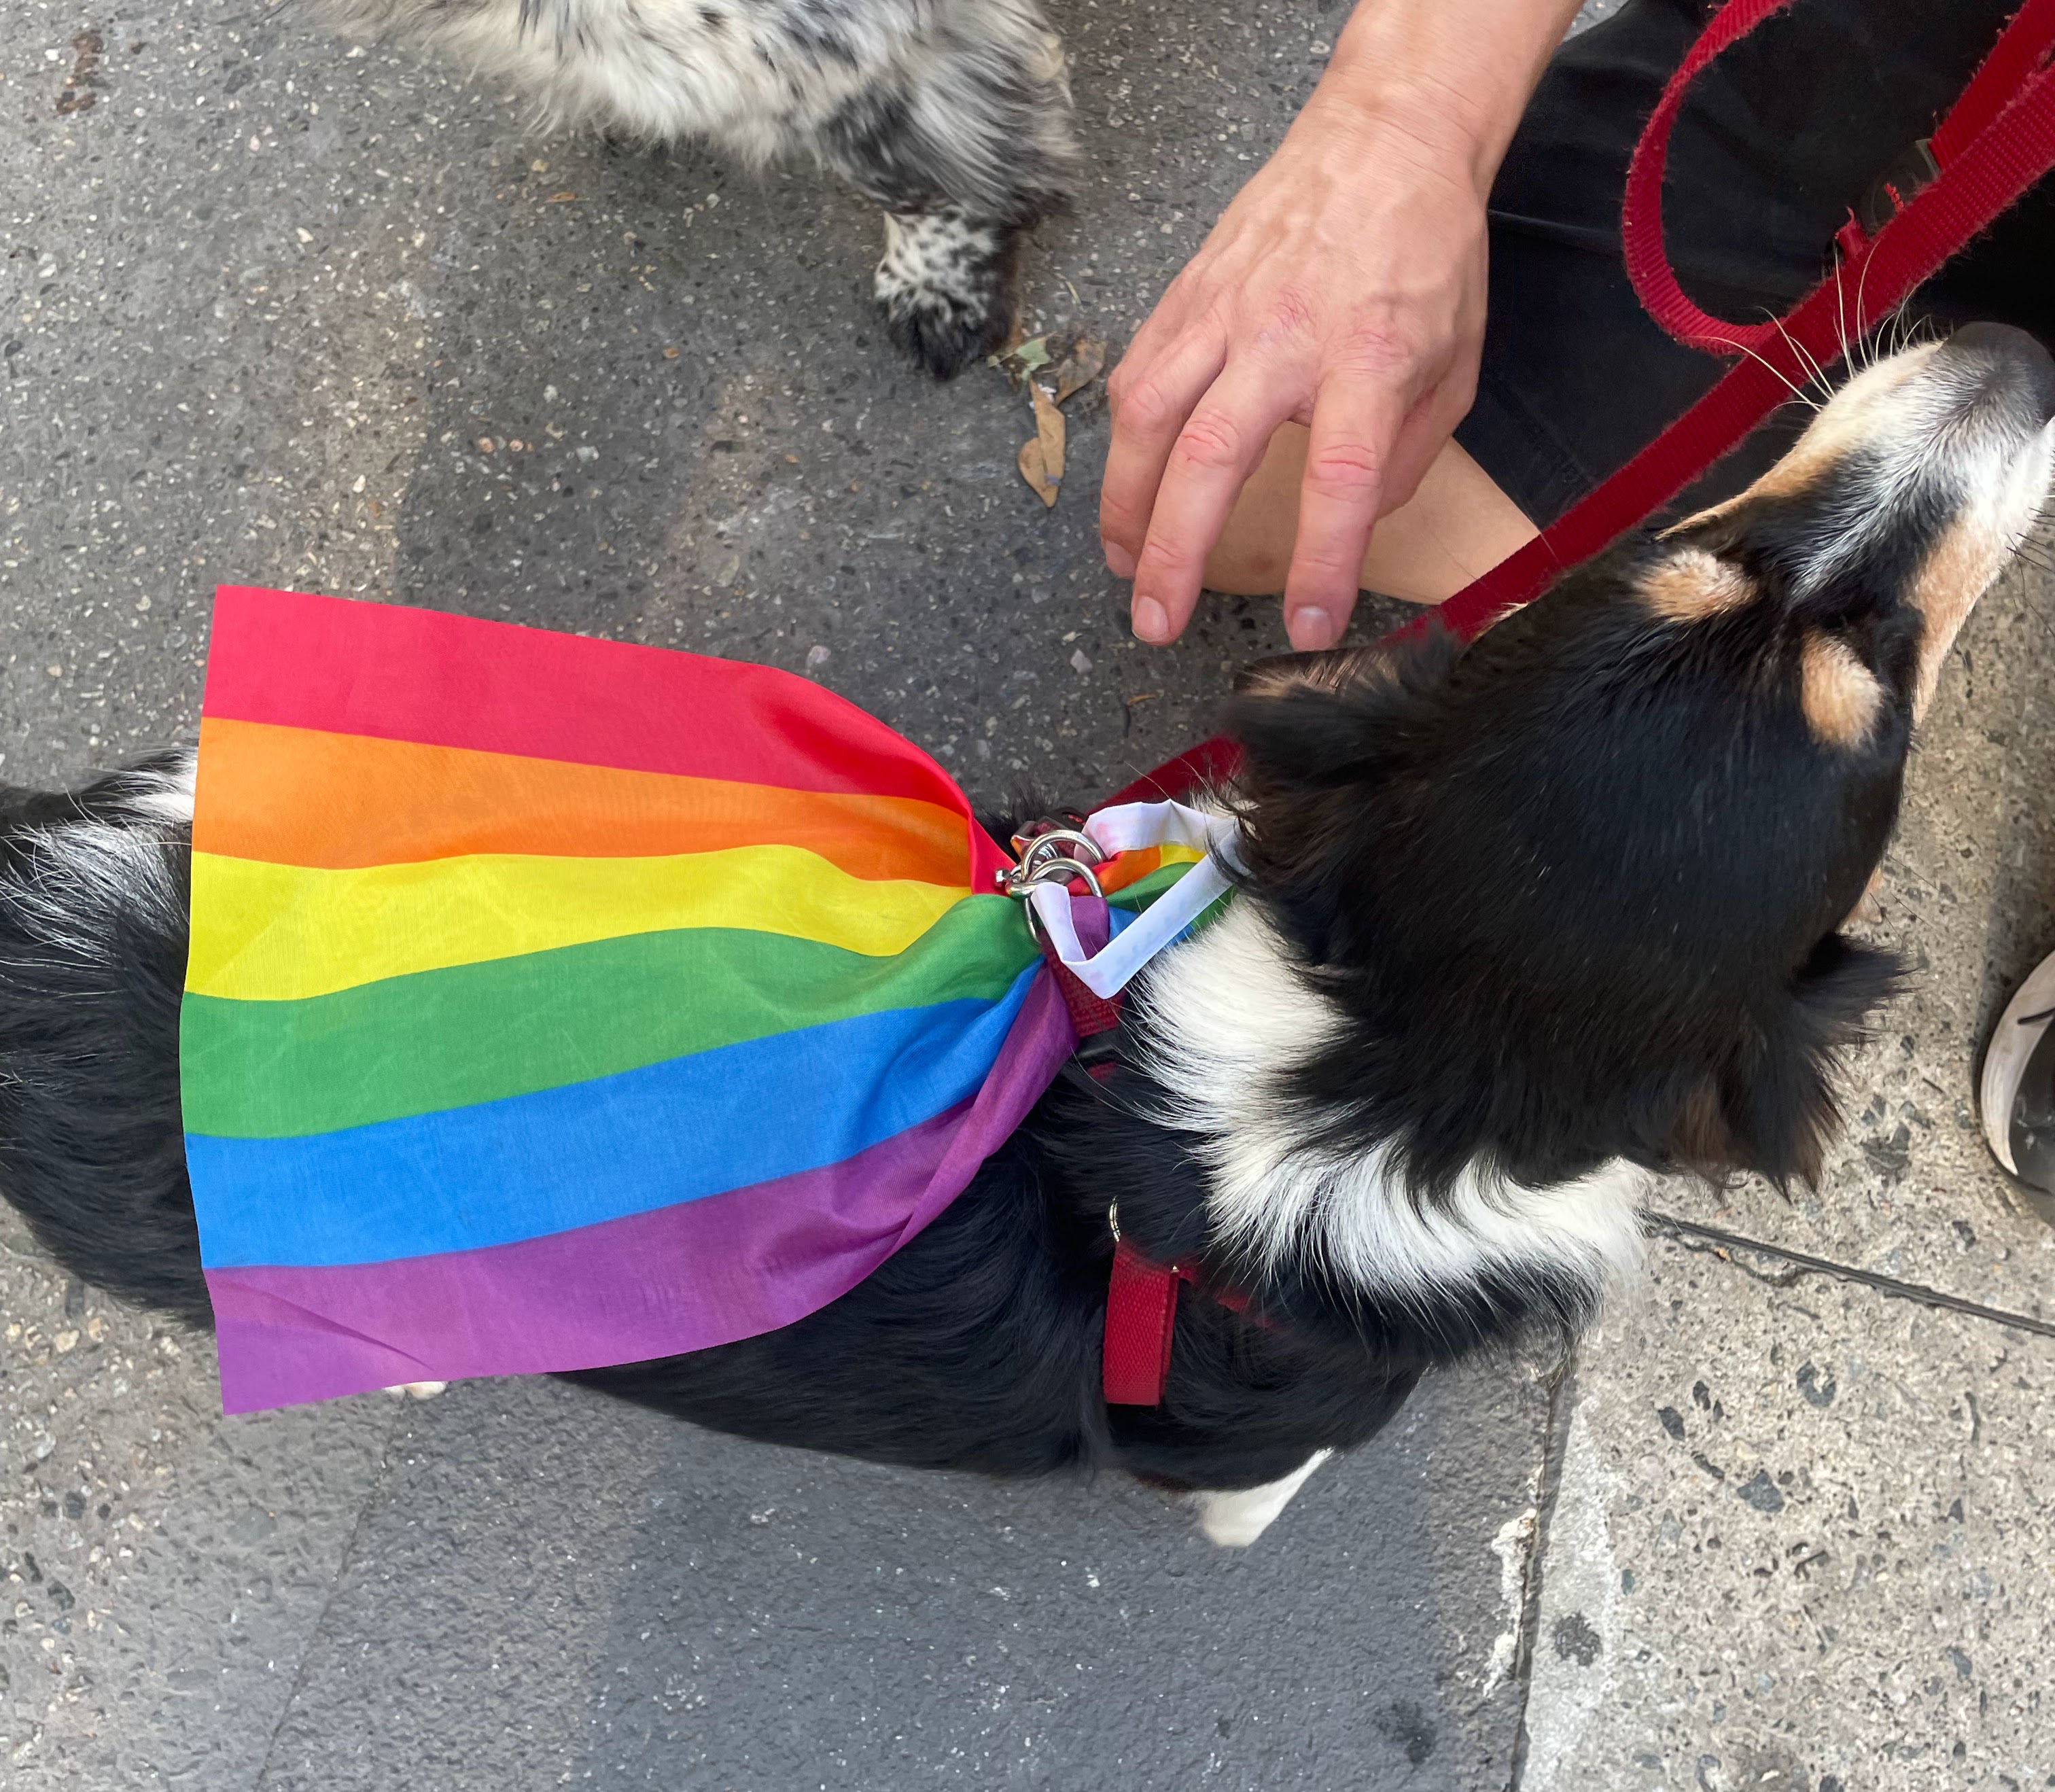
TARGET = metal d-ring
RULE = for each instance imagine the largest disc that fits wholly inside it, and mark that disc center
(1053, 870)
(1052, 844)
(1022, 883)
(1051, 852)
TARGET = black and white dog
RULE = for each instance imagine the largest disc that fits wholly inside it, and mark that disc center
(1524, 925)
(954, 116)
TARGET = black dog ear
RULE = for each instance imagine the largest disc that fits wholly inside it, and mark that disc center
(1774, 1109)
(1298, 739)
(1310, 721)
(1332, 669)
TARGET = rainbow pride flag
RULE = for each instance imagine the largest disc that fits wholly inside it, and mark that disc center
(555, 1002)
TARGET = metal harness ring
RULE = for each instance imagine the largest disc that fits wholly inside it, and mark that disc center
(1045, 859)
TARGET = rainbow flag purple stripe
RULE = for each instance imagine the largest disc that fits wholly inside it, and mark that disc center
(554, 1002)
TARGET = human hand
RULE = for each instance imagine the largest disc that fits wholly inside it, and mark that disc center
(1343, 289)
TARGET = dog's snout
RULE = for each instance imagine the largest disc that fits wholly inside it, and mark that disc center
(2011, 358)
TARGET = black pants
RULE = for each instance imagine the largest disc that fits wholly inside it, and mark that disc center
(1777, 141)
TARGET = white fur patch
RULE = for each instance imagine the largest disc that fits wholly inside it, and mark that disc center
(1235, 1519)
(79, 875)
(1231, 1019)
(166, 793)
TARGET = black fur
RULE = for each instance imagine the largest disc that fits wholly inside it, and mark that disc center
(92, 1152)
(1536, 967)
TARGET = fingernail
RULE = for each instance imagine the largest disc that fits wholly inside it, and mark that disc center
(1119, 561)
(1152, 622)
(1310, 628)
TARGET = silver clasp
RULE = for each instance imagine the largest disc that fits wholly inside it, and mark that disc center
(1052, 852)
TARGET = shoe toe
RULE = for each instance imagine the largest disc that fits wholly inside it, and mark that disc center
(2016, 1091)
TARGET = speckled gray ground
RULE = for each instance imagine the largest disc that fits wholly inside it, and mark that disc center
(276, 312)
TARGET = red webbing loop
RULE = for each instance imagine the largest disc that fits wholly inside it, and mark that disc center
(1141, 1320)
(1641, 211)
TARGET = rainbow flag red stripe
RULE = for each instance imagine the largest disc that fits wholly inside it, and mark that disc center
(555, 1002)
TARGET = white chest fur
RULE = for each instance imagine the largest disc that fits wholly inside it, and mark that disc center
(1229, 1019)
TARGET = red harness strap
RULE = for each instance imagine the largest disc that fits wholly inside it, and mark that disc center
(1141, 1297)
(1141, 1320)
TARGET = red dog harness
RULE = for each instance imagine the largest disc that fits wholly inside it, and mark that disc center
(1141, 1297)
(1995, 144)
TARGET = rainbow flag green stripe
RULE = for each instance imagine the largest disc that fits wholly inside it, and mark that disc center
(456, 1035)
(554, 1002)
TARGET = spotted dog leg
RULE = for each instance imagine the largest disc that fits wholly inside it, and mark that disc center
(965, 145)
(945, 285)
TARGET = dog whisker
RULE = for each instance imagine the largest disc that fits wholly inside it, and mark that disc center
(1797, 390)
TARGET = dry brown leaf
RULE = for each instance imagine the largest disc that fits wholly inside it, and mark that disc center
(1042, 460)
(1032, 471)
(1049, 431)
(1083, 363)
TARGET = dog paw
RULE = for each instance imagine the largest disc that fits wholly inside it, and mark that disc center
(1235, 1519)
(945, 285)
(1230, 1528)
(417, 1390)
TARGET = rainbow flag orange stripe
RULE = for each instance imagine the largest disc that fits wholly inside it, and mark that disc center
(554, 1002)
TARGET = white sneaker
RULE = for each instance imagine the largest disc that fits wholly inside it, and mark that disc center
(2016, 1091)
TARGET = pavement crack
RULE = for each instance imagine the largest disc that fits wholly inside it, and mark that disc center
(1562, 1397)
(1710, 1240)
(344, 1563)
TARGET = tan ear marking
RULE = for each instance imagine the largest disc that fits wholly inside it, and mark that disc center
(1333, 669)
(1957, 571)
(1693, 584)
(1841, 695)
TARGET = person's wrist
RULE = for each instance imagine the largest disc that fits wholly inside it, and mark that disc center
(1369, 128)
(1448, 81)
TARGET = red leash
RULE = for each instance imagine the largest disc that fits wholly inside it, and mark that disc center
(1996, 142)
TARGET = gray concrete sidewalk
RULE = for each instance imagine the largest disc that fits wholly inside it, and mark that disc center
(261, 305)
